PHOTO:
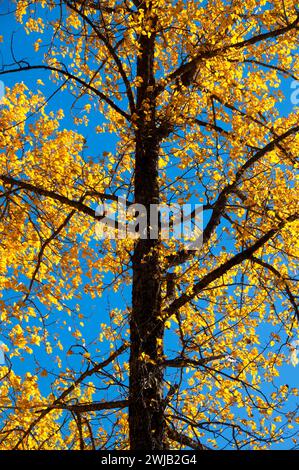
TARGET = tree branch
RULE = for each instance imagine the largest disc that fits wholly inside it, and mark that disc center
(42, 250)
(78, 205)
(185, 361)
(87, 407)
(79, 380)
(193, 63)
(219, 206)
(72, 77)
(281, 278)
(184, 440)
(111, 50)
(224, 268)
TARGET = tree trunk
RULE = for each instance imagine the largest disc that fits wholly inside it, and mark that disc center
(146, 413)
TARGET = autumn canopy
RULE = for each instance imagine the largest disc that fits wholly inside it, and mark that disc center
(142, 343)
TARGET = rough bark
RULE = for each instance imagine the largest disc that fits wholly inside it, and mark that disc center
(146, 413)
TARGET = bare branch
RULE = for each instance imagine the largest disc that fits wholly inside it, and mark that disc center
(88, 407)
(185, 361)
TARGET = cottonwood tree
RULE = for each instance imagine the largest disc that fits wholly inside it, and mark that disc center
(191, 96)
